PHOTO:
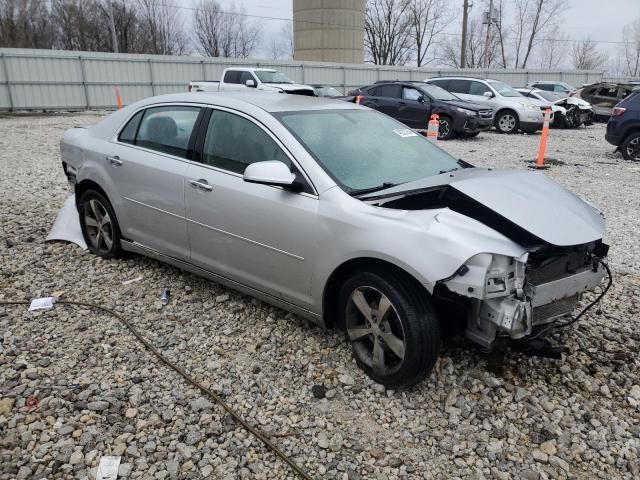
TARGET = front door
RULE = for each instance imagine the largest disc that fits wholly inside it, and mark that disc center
(258, 235)
(147, 165)
(415, 108)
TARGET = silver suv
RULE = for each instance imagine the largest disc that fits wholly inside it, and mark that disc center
(513, 112)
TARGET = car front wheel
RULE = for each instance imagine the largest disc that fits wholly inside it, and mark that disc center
(445, 129)
(392, 327)
(630, 148)
(99, 224)
(507, 122)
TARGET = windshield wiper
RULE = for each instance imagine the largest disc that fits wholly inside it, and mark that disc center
(362, 191)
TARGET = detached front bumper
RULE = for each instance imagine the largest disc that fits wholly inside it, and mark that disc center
(538, 303)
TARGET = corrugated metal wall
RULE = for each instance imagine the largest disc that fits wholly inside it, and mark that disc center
(63, 80)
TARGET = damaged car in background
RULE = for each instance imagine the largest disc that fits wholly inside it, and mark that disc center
(568, 112)
(339, 214)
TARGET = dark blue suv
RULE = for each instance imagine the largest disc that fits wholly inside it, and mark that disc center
(623, 128)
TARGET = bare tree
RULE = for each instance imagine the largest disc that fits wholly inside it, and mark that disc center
(79, 26)
(631, 48)
(281, 46)
(387, 32)
(552, 49)
(429, 18)
(25, 24)
(224, 33)
(586, 56)
(475, 56)
(162, 28)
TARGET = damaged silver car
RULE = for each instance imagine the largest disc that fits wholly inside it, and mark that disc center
(340, 214)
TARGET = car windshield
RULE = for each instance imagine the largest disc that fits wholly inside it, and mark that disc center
(436, 92)
(272, 76)
(551, 96)
(504, 89)
(329, 92)
(366, 150)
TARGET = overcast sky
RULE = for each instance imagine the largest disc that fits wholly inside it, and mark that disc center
(600, 19)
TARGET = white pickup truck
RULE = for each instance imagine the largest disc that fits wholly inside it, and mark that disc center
(241, 79)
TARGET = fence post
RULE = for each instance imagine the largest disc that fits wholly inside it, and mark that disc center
(85, 87)
(6, 76)
(153, 85)
(302, 68)
(344, 78)
(204, 70)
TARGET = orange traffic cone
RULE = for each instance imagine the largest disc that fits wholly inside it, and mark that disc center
(358, 99)
(543, 142)
(434, 126)
(118, 98)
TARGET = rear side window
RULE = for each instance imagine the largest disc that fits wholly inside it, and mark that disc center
(373, 91)
(128, 133)
(610, 92)
(392, 91)
(478, 88)
(441, 83)
(232, 76)
(232, 143)
(459, 86)
(167, 129)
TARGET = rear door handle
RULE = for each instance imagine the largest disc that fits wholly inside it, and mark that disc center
(114, 160)
(200, 184)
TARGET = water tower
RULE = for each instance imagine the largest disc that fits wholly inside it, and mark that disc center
(329, 30)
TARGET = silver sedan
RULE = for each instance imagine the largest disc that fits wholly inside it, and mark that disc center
(340, 214)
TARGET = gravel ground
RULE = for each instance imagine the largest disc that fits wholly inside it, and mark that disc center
(75, 385)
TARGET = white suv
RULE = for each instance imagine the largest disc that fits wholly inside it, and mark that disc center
(513, 112)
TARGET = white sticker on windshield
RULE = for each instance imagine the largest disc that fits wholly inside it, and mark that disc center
(406, 132)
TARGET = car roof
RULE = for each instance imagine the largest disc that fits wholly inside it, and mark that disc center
(270, 102)
(252, 69)
(464, 78)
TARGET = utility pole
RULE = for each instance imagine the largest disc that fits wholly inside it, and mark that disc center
(114, 37)
(486, 42)
(463, 47)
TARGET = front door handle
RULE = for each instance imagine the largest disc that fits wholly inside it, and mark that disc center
(200, 184)
(114, 160)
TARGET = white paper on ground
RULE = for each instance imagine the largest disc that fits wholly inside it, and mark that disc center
(67, 224)
(44, 303)
(108, 468)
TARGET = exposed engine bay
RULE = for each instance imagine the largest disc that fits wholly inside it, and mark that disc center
(512, 297)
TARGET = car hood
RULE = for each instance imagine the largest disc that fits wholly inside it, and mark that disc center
(465, 104)
(530, 200)
(287, 87)
(580, 103)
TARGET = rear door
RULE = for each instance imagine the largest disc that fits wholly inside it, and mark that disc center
(258, 235)
(388, 99)
(460, 88)
(147, 164)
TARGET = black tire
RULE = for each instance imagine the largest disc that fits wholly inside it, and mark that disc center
(409, 318)
(507, 121)
(445, 129)
(103, 240)
(630, 147)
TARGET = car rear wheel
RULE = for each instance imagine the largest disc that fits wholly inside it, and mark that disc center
(392, 327)
(630, 147)
(99, 225)
(445, 130)
(507, 122)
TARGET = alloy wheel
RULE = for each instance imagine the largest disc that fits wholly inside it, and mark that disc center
(507, 122)
(375, 330)
(99, 226)
(444, 128)
(633, 149)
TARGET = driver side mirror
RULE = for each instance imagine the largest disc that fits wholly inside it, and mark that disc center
(250, 83)
(421, 99)
(488, 95)
(270, 172)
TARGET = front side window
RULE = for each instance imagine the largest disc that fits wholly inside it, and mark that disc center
(411, 94)
(560, 89)
(244, 76)
(504, 89)
(544, 86)
(363, 149)
(232, 143)
(478, 88)
(167, 129)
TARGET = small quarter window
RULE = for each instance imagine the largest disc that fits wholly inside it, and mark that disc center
(232, 143)
(167, 129)
(128, 133)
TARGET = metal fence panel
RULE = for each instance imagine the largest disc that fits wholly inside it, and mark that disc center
(48, 79)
